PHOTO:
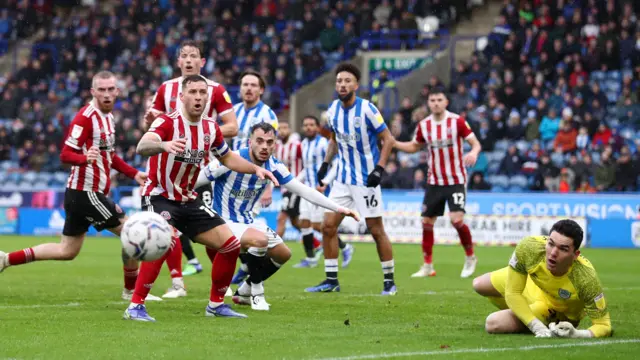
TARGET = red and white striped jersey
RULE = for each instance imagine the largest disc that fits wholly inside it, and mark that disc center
(444, 140)
(290, 154)
(174, 176)
(167, 98)
(90, 127)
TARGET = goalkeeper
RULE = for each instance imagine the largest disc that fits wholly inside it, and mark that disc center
(547, 288)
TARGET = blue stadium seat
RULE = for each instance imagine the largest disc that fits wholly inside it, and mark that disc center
(3, 176)
(44, 177)
(502, 145)
(557, 159)
(595, 157)
(493, 167)
(25, 186)
(60, 177)
(598, 76)
(518, 181)
(9, 186)
(499, 180)
(498, 189)
(41, 185)
(29, 176)
(515, 189)
(614, 75)
(498, 155)
(523, 145)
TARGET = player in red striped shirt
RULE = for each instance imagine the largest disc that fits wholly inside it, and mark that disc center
(289, 152)
(166, 100)
(443, 133)
(90, 149)
(178, 144)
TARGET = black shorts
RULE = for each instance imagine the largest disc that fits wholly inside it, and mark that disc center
(437, 195)
(291, 204)
(205, 193)
(191, 218)
(85, 208)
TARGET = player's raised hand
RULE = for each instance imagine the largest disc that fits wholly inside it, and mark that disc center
(141, 177)
(470, 159)
(266, 174)
(350, 213)
(174, 146)
(93, 154)
(151, 115)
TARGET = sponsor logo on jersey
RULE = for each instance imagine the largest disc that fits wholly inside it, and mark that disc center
(226, 96)
(564, 294)
(242, 193)
(600, 302)
(348, 137)
(190, 156)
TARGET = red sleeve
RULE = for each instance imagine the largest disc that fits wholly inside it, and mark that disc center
(464, 130)
(299, 151)
(218, 146)
(163, 127)
(419, 137)
(79, 130)
(221, 101)
(71, 156)
(122, 167)
(158, 99)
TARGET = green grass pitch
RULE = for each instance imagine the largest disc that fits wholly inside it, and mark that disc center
(73, 310)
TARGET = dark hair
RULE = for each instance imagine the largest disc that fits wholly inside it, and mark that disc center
(264, 126)
(261, 81)
(312, 118)
(570, 229)
(193, 79)
(438, 91)
(191, 43)
(350, 68)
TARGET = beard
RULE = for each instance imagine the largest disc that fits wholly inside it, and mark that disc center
(347, 97)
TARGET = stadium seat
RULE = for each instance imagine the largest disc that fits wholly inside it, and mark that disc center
(523, 145)
(515, 189)
(29, 176)
(3, 176)
(493, 167)
(595, 156)
(60, 177)
(518, 181)
(499, 180)
(25, 186)
(497, 189)
(41, 185)
(502, 145)
(557, 159)
(9, 186)
(44, 177)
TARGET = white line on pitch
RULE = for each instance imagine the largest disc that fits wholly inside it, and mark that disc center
(36, 306)
(485, 350)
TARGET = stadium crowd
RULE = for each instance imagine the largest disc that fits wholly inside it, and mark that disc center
(553, 97)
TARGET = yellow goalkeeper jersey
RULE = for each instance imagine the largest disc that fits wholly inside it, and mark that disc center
(575, 294)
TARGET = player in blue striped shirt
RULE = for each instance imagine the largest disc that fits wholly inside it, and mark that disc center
(356, 126)
(251, 110)
(314, 150)
(235, 195)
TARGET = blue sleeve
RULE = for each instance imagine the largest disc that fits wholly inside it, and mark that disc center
(375, 119)
(282, 174)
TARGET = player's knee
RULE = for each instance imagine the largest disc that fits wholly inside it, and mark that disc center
(329, 230)
(377, 231)
(478, 285)
(493, 325)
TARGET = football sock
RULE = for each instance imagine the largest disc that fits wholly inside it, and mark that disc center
(187, 249)
(174, 260)
(254, 263)
(316, 243)
(243, 262)
(465, 237)
(269, 267)
(224, 265)
(194, 262)
(244, 289)
(427, 243)
(149, 271)
(211, 253)
(307, 242)
(388, 268)
(331, 269)
(341, 244)
(130, 277)
(21, 256)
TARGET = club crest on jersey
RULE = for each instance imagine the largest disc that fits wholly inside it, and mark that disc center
(166, 215)
(564, 294)
(357, 122)
(206, 139)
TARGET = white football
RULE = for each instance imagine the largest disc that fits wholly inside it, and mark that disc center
(146, 236)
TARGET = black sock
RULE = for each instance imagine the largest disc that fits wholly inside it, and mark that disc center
(254, 263)
(307, 242)
(388, 277)
(187, 250)
(268, 268)
(341, 244)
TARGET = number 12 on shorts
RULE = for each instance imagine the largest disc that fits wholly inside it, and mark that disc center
(458, 199)
(371, 201)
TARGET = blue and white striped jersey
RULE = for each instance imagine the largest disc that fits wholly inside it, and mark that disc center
(235, 194)
(247, 117)
(356, 130)
(313, 153)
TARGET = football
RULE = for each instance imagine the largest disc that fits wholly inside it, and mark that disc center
(146, 236)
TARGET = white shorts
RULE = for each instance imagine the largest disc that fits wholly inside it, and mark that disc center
(310, 211)
(366, 201)
(238, 229)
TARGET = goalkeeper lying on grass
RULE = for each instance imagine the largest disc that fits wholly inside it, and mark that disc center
(548, 288)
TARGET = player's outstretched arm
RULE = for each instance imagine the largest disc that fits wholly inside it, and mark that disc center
(408, 146)
(237, 163)
(316, 198)
(152, 144)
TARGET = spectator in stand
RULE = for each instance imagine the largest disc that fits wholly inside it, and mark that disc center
(605, 172)
(601, 137)
(532, 126)
(549, 127)
(511, 164)
(566, 139)
(390, 181)
(626, 174)
(460, 99)
(547, 175)
(486, 136)
(567, 178)
(582, 140)
(478, 183)
(515, 130)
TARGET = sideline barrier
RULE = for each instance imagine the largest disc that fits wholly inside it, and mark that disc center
(610, 220)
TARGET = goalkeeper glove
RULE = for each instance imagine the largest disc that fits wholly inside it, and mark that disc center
(374, 178)
(565, 329)
(539, 329)
(324, 168)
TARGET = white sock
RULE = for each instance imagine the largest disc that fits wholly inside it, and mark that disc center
(244, 289)
(311, 260)
(257, 289)
(132, 305)
(177, 282)
(388, 267)
(331, 266)
(194, 261)
(244, 267)
(213, 304)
